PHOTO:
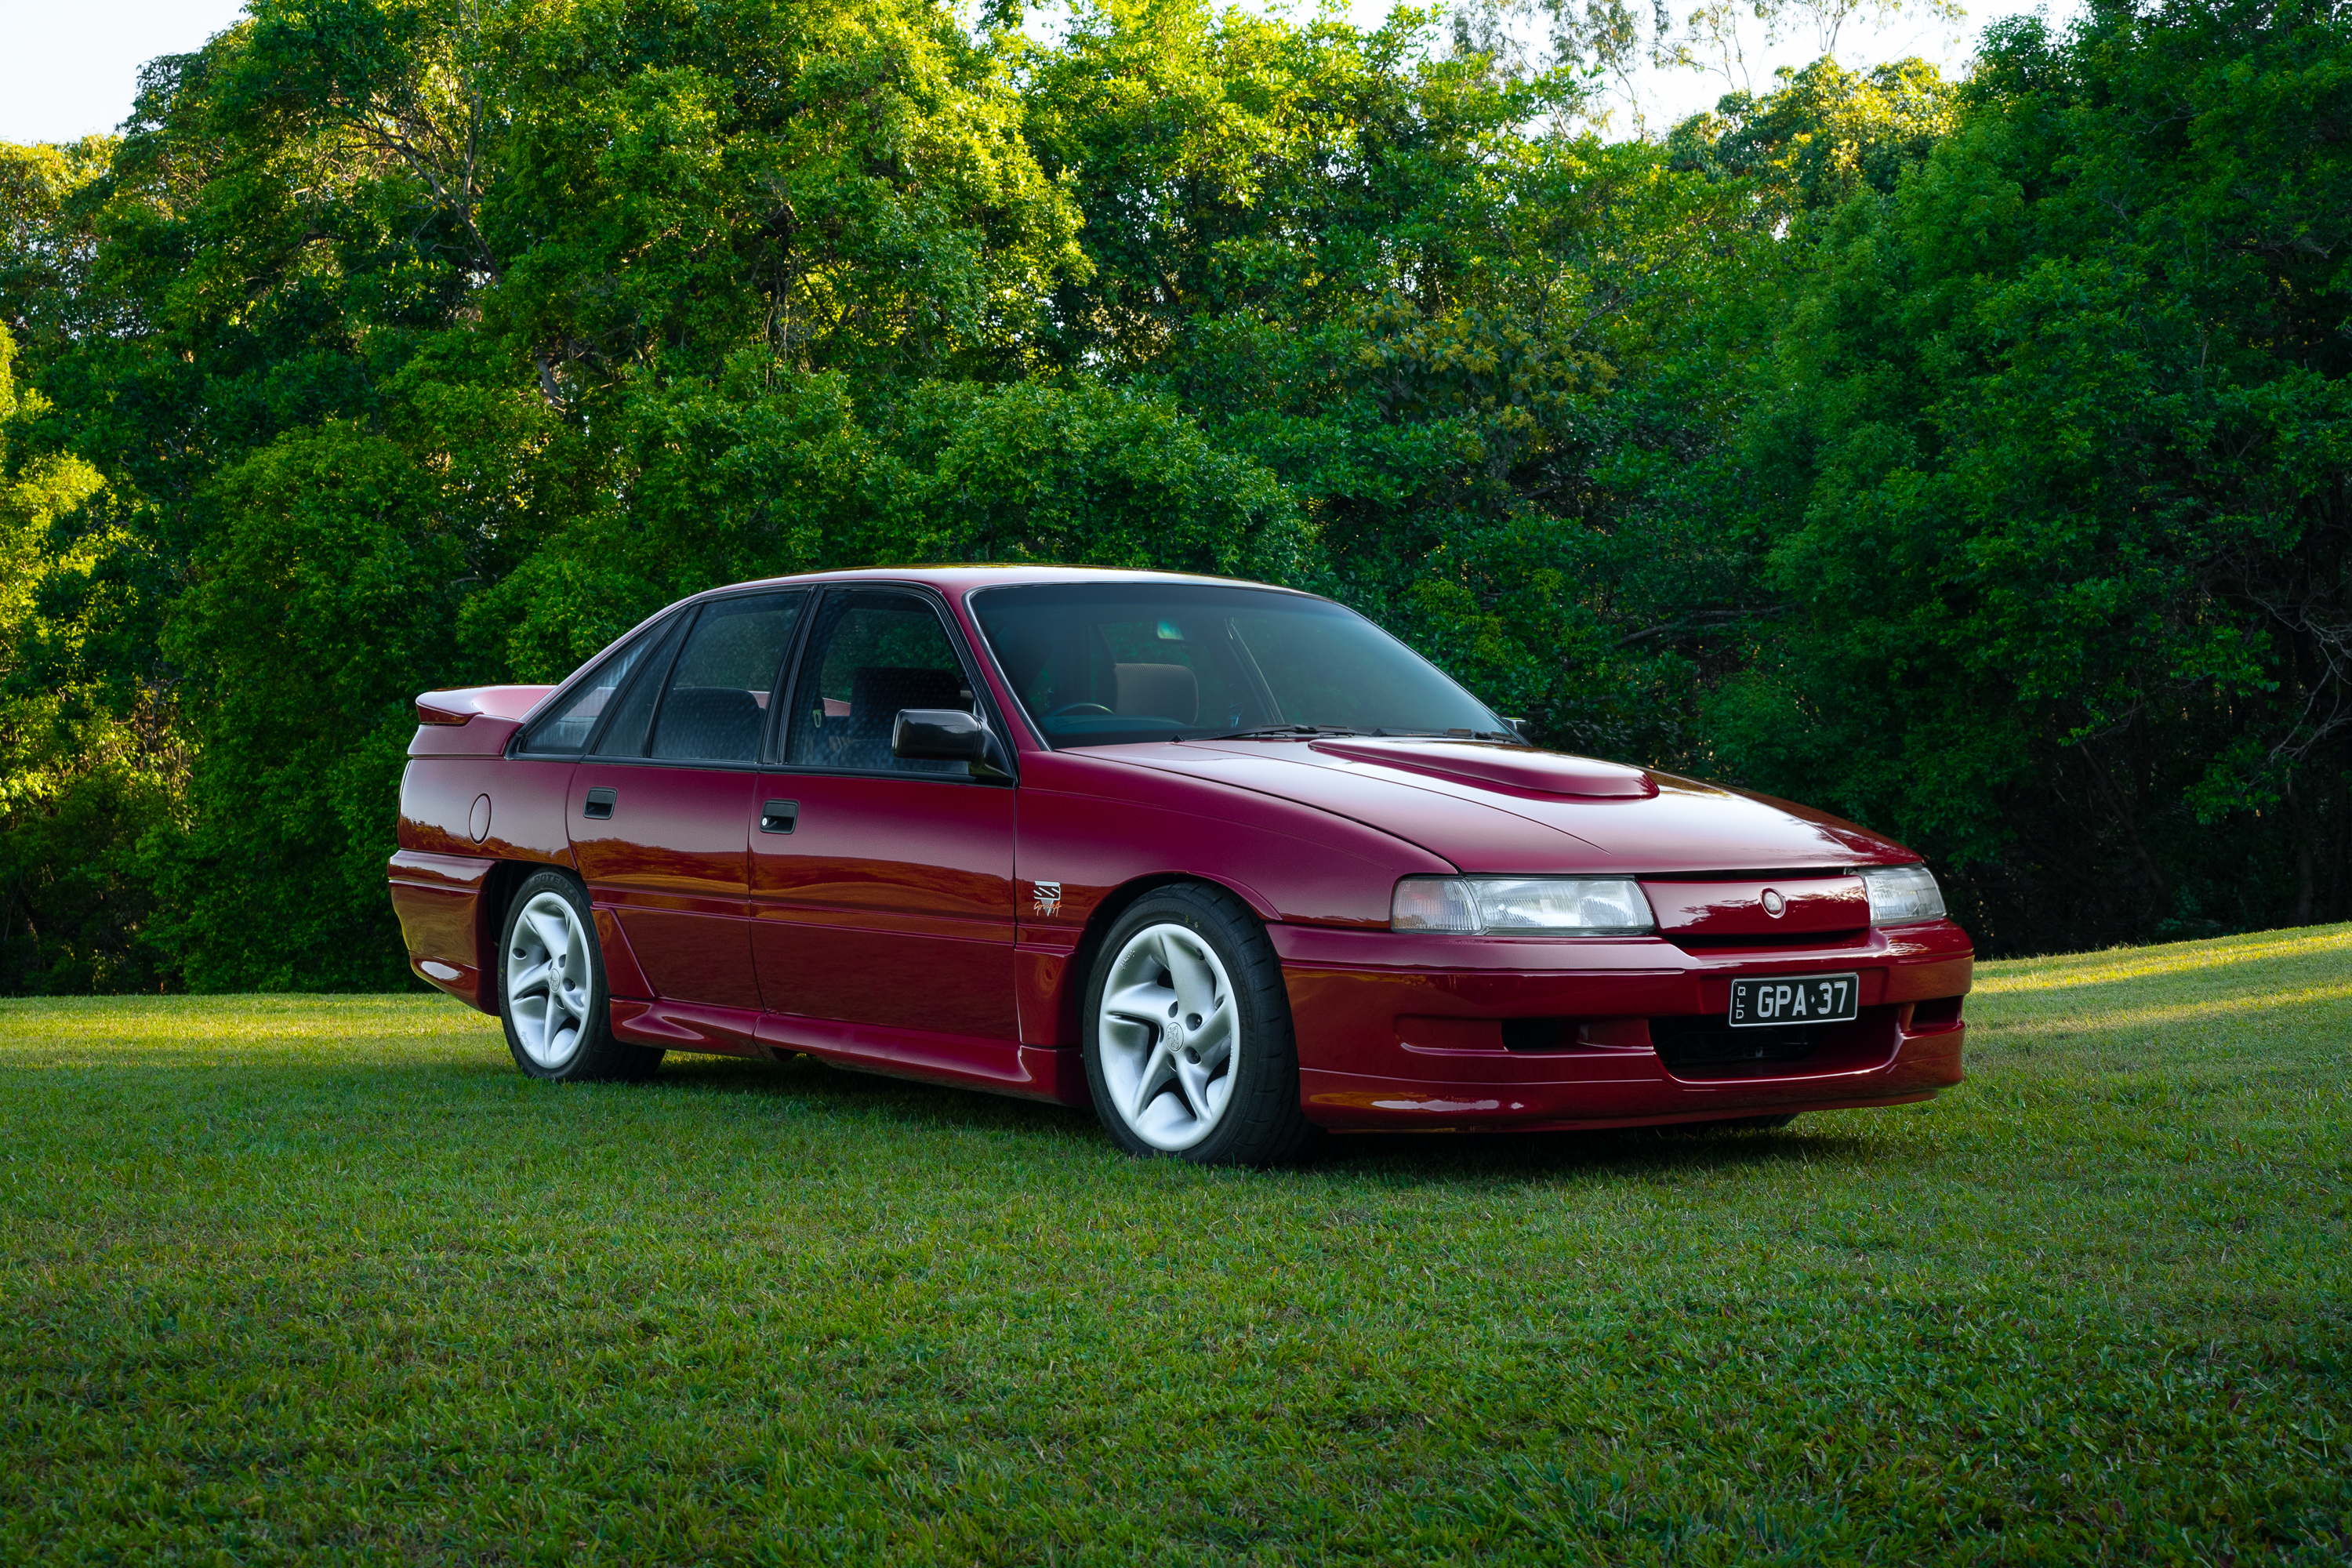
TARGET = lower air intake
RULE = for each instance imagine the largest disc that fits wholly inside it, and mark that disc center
(1704, 1047)
(1698, 1047)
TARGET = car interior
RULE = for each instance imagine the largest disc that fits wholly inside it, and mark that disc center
(715, 707)
(872, 655)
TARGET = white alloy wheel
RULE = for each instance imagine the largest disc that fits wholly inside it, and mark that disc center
(1167, 1036)
(548, 980)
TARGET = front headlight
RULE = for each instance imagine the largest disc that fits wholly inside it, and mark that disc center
(1903, 893)
(1591, 906)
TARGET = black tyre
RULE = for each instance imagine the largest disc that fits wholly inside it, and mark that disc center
(1189, 1048)
(551, 991)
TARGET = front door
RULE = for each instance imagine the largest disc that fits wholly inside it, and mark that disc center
(882, 888)
(661, 810)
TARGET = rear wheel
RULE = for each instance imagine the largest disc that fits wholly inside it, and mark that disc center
(1188, 1041)
(551, 990)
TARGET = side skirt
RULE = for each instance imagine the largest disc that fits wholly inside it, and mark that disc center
(959, 1061)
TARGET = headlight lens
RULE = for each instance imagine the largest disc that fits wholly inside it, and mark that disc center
(1588, 905)
(1901, 893)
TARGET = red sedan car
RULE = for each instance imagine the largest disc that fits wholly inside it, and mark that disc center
(1226, 861)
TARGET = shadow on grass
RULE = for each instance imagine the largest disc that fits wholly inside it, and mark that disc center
(292, 1089)
(1432, 1156)
(1404, 1158)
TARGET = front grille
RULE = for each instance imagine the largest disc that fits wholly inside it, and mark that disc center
(1771, 942)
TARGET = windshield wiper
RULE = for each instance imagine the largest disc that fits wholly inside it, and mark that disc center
(1283, 731)
(1515, 740)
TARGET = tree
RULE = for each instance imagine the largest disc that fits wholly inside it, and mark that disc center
(2061, 485)
(86, 760)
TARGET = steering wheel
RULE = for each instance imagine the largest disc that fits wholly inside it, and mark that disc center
(1081, 710)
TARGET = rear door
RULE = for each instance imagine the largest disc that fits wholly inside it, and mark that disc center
(661, 809)
(882, 888)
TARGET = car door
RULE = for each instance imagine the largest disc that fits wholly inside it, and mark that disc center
(882, 888)
(660, 810)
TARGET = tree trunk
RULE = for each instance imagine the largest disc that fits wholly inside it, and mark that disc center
(2306, 869)
(2336, 890)
(2123, 817)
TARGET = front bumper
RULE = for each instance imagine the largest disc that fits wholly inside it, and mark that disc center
(1405, 1031)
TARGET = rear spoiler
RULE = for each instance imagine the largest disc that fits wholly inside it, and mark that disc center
(474, 722)
(457, 707)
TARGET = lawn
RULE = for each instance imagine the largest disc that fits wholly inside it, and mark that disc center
(322, 1278)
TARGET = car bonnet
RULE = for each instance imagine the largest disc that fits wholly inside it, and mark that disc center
(1513, 809)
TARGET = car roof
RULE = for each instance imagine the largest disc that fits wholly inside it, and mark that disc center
(957, 581)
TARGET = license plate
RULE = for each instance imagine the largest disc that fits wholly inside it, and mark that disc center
(1795, 999)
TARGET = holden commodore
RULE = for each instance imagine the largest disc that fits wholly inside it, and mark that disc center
(1226, 861)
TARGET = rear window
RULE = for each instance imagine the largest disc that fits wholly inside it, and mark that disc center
(566, 730)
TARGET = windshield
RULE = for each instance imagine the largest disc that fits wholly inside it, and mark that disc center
(1098, 664)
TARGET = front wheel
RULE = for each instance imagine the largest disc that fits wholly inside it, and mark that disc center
(1188, 1042)
(551, 989)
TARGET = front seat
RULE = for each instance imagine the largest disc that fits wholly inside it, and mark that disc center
(876, 693)
(1168, 691)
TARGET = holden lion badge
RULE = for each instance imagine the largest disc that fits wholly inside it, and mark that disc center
(1049, 897)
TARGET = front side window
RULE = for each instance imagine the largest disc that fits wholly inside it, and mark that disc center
(1103, 664)
(715, 705)
(566, 730)
(872, 654)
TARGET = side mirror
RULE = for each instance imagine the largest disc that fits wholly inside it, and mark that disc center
(938, 735)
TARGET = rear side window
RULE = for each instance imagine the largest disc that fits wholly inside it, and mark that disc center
(632, 713)
(715, 708)
(566, 730)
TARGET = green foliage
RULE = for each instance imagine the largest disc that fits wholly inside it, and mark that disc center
(769, 470)
(86, 760)
(45, 234)
(333, 579)
(1970, 457)
(1827, 133)
(1084, 473)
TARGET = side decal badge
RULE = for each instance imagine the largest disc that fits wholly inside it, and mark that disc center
(1048, 895)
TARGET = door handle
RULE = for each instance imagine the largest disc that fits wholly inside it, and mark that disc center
(600, 804)
(779, 816)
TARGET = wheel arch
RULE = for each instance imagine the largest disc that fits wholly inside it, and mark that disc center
(491, 924)
(1115, 904)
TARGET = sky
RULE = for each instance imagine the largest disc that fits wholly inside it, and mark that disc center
(70, 66)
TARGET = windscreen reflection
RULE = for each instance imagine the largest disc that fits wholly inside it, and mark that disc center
(1102, 664)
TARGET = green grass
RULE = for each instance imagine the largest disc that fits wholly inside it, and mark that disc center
(323, 1277)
